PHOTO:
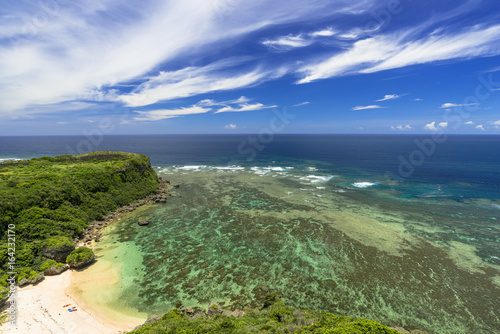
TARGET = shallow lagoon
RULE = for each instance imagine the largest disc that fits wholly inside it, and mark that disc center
(352, 246)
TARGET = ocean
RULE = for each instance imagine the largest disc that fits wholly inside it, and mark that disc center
(400, 229)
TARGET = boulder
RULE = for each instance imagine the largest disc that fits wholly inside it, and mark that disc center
(81, 257)
(143, 221)
(237, 313)
(33, 280)
(214, 309)
(197, 315)
(54, 270)
(150, 319)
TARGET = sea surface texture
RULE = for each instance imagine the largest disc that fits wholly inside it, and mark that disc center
(400, 229)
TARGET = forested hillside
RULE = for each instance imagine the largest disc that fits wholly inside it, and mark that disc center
(47, 202)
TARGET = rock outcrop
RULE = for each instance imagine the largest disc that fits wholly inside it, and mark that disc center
(33, 280)
(92, 232)
(58, 254)
(55, 270)
(143, 221)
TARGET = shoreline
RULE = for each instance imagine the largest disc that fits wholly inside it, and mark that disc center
(39, 306)
(40, 310)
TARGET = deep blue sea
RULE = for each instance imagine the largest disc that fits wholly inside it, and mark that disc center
(471, 160)
(403, 229)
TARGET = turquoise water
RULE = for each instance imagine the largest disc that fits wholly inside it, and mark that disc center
(334, 222)
(351, 246)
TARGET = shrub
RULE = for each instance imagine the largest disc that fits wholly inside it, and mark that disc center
(79, 255)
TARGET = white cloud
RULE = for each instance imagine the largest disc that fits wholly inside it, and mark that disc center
(479, 127)
(301, 104)
(432, 126)
(156, 115)
(244, 107)
(367, 107)
(417, 99)
(384, 52)
(389, 97)
(323, 33)
(230, 126)
(191, 81)
(87, 48)
(496, 123)
(288, 42)
(469, 123)
(62, 123)
(406, 127)
(454, 105)
(443, 125)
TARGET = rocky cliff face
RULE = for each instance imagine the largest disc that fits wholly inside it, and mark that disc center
(58, 254)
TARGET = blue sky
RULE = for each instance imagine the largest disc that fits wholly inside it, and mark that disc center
(232, 66)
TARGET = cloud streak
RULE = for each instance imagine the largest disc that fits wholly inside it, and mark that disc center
(374, 106)
(245, 107)
(156, 115)
(389, 97)
(396, 50)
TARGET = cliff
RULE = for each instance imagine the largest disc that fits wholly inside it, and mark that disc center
(48, 203)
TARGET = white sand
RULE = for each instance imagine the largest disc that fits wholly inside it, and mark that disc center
(40, 310)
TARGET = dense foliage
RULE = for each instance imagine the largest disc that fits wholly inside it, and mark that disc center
(47, 202)
(79, 255)
(275, 317)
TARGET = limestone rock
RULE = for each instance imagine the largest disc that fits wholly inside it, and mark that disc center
(59, 254)
(214, 309)
(55, 270)
(237, 313)
(34, 280)
(143, 221)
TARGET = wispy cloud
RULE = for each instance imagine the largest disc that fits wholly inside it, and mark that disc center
(401, 49)
(454, 105)
(230, 126)
(91, 49)
(496, 123)
(469, 123)
(245, 107)
(323, 33)
(156, 115)
(191, 81)
(367, 107)
(389, 97)
(288, 42)
(480, 127)
(301, 104)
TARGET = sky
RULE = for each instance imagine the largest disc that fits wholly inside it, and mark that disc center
(233, 66)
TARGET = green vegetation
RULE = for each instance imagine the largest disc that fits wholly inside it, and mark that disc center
(79, 255)
(58, 242)
(274, 317)
(47, 202)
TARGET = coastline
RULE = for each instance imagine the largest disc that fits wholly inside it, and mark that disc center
(40, 309)
(40, 306)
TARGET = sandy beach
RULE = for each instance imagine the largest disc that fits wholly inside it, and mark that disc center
(40, 309)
